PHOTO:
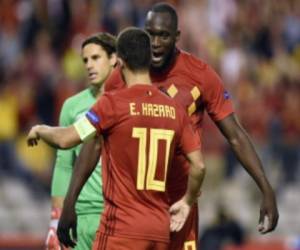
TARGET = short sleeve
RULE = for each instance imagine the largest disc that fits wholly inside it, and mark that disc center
(217, 100)
(102, 115)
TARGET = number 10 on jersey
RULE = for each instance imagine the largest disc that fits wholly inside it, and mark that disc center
(147, 173)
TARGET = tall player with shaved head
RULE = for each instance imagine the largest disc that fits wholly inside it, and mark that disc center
(198, 88)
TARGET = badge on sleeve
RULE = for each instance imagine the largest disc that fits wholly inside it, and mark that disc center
(226, 95)
(93, 117)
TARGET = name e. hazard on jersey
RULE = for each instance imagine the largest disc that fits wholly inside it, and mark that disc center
(152, 109)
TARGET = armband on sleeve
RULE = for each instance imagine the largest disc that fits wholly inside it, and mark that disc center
(84, 128)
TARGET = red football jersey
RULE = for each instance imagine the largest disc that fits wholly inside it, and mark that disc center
(197, 88)
(142, 127)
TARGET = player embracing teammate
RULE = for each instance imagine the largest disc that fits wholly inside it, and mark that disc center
(139, 144)
(196, 87)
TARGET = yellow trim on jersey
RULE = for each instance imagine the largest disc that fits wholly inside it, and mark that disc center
(190, 245)
(195, 92)
(192, 108)
(84, 128)
(172, 90)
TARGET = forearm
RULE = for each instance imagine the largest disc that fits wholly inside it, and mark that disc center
(195, 178)
(241, 145)
(245, 153)
(58, 137)
(194, 184)
(83, 168)
(247, 156)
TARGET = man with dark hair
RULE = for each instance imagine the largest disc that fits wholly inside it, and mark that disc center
(197, 87)
(134, 50)
(105, 40)
(142, 128)
(99, 57)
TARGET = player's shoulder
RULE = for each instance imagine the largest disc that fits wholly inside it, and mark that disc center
(110, 96)
(198, 69)
(194, 66)
(74, 106)
(164, 95)
(77, 98)
(115, 80)
(191, 62)
(114, 93)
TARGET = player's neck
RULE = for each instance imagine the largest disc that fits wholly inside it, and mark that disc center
(97, 90)
(134, 78)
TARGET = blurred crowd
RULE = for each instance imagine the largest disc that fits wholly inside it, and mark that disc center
(254, 45)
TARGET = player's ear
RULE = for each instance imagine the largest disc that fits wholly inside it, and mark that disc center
(177, 35)
(113, 59)
(120, 62)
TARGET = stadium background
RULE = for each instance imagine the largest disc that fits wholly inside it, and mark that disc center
(255, 47)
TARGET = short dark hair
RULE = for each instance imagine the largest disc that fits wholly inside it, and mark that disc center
(134, 48)
(167, 8)
(105, 40)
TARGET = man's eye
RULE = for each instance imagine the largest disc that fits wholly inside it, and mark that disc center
(152, 36)
(95, 57)
(165, 36)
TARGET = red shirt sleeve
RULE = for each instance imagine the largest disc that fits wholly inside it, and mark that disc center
(189, 140)
(114, 81)
(216, 98)
(102, 114)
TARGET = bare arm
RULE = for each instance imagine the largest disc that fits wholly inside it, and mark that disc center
(245, 153)
(57, 137)
(181, 209)
(196, 176)
(241, 145)
(84, 166)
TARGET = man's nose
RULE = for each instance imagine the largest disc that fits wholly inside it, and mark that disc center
(89, 65)
(155, 41)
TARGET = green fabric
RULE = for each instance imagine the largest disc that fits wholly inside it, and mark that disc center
(87, 226)
(90, 200)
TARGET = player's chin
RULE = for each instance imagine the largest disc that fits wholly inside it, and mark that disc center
(157, 65)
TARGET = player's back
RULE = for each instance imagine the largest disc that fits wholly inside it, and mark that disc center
(195, 87)
(138, 147)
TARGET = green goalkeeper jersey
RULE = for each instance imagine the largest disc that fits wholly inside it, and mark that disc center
(90, 200)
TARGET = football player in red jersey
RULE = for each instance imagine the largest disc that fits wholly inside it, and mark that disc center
(142, 128)
(198, 88)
